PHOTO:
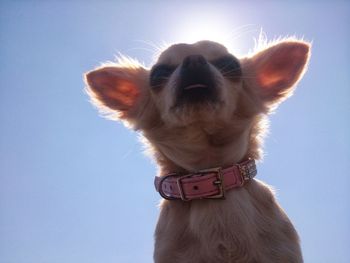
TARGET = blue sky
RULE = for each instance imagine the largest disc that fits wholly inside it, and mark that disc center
(75, 187)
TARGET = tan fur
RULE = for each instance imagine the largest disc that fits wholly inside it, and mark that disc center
(249, 226)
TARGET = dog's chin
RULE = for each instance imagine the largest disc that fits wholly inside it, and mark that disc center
(194, 110)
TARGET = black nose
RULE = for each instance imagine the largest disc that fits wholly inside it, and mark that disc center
(193, 62)
(195, 70)
(196, 82)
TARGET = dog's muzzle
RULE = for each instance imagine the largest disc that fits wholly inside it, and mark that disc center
(196, 81)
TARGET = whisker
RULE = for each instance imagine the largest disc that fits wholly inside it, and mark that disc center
(140, 48)
(150, 44)
(243, 33)
(238, 32)
(234, 70)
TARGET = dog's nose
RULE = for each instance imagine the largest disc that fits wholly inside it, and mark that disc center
(194, 61)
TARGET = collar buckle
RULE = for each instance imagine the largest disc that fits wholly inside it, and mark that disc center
(219, 182)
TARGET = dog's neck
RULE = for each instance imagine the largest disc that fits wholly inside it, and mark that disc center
(196, 148)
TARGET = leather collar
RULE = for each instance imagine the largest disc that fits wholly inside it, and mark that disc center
(205, 184)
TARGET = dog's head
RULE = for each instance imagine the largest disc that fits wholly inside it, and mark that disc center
(195, 83)
(199, 87)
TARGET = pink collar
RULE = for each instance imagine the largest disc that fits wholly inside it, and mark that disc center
(209, 183)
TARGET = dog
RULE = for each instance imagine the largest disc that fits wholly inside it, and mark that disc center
(203, 115)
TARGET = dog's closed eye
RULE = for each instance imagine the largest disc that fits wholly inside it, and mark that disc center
(229, 66)
(160, 74)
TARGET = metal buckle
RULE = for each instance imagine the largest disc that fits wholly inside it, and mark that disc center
(219, 183)
(247, 170)
(160, 190)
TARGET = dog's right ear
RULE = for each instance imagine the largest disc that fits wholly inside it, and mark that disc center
(119, 89)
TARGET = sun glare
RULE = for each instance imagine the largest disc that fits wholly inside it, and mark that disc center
(208, 27)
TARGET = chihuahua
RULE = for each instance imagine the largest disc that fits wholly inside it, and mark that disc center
(203, 114)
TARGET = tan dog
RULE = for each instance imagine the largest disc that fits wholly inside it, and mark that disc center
(200, 107)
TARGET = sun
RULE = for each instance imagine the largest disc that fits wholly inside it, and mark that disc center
(206, 26)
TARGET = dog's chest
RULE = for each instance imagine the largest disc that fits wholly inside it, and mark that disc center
(243, 228)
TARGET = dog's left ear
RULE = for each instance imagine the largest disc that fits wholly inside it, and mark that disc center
(278, 68)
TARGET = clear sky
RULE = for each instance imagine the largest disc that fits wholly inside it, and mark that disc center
(75, 187)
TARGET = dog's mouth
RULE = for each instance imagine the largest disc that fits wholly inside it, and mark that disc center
(196, 82)
(195, 86)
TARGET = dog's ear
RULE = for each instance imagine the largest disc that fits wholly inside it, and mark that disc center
(278, 68)
(118, 89)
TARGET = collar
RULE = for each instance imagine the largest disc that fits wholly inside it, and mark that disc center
(209, 183)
